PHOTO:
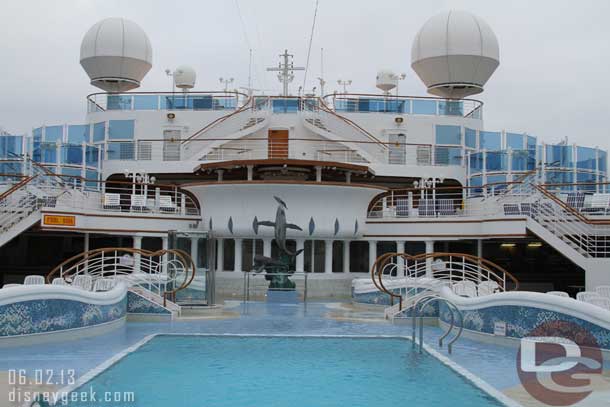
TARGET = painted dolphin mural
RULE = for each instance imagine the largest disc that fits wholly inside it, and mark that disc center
(280, 225)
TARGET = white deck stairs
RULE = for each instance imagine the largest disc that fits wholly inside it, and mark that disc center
(172, 307)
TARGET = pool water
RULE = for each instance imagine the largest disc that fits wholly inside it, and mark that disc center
(249, 371)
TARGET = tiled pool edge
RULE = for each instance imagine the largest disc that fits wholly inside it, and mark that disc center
(472, 378)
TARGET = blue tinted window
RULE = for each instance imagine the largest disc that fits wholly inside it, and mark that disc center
(173, 102)
(73, 175)
(520, 160)
(99, 132)
(586, 158)
(476, 183)
(204, 102)
(514, 141)
(285, 105)
(54, 133)
(496, 182)
(496, 161)
(451, 108)
(71, 154)
(586, 178)
(470, 137)
(118, 102)
(602, 161)
(120, 151)
(448, 135)
(219, 103)
(78, 133)
(11, 168)
(10, 146)
(37, 134)
(559, 156)
(448, 156)
(120, 129)
(92, 156)
(424, 106)
(531, 143)
(45, 153)
(476, 162)
(145, 102)
(490, 140)
(560, 177)
(91, 177)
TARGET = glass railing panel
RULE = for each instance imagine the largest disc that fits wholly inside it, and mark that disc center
(424, 107)
(119, 102)
(146, 102)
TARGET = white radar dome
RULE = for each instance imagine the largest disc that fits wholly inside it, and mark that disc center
(184, 77)
(454, 54)
(386, 80)
(116, 54)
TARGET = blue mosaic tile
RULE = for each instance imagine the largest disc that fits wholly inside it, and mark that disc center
(136, 304)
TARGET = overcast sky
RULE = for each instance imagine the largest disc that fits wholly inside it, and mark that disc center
(552, 81)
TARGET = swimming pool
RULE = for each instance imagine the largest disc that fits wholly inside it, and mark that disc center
(241, 371)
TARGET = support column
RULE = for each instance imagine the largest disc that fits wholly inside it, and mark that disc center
(328, 256)
(237, 264)
(195, 250)
(346, 264)
(480, 247)
(300, 260)
(372, 253)
(137, 259)
(429, 249)
(220, 259)
(250, 172)
(267, 247)
(164, 246)
(400, 262)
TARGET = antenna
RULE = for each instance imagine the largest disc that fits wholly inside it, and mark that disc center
(250, 73)
(285, 70)
(321, 77)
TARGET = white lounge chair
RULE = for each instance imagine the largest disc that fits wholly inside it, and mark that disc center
(83, 282)
(603, 290)
(465, 288)
(59, 281)
(138, 203)
(585, 296)
(166, 204)
(103, 284)
(112, 202)
(559, 294)
(11, 285)
(487, 288)
(33, 280)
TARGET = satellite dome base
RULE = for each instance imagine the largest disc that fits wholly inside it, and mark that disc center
(455, 90)
(115, 85)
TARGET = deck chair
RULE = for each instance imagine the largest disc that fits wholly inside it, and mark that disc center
(585, 296)
(11, 285)
(166, 204)
(599, 203)
(59, 281)
(600, 302)
(603, 291)
(112, 202)
(426, 207)
(559, 294)
(33, 280)
(103, 284)
(83, 282)
(402, 207)
(138, 203)
(511, 209)
(445, 207)
(465, 288)
(576, 200)
(487, 288)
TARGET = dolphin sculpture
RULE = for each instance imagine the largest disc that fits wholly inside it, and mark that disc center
(280, 225)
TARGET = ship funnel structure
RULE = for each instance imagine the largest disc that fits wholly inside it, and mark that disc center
(454, 54)
(184, 77)
(116, 54)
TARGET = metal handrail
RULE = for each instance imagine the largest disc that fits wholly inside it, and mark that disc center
(452, 307)
(84, 262)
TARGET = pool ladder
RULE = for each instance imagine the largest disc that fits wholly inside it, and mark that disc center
(424, 301)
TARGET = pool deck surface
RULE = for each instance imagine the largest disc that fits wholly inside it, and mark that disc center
(494, 364)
